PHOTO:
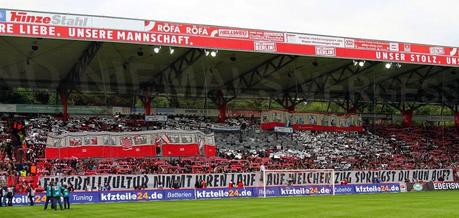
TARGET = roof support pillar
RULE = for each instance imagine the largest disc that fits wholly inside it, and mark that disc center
(222, 106)
(64, 94)
(455, 109)
(219, 99)
(456, 119)
(146, 100)
(222, 112)
(407, 118)
(406, 110)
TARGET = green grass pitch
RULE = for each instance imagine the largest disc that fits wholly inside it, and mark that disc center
(421, 204)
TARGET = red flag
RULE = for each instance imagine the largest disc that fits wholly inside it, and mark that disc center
(165, 139)
(75, 141)
(94, 141)
(158, 141)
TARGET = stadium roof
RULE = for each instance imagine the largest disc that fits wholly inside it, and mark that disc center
(119, 55)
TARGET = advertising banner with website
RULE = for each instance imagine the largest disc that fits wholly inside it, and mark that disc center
(21, 23)
(327, 189)
(311, 121)
(210, 193)
(114, 196)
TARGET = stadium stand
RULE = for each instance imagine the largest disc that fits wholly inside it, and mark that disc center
(379, 147)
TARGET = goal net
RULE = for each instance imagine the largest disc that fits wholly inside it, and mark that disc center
(298, 182)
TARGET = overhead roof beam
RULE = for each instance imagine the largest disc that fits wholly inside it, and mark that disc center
(72, 78)
(166, 75)
(255, 75)
(387, 97)
(331, 78)
(446, 92)
(413, 76)
(405, 90)
(397, 83)
(393, 78)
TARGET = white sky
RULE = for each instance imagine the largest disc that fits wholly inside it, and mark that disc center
(421, 21)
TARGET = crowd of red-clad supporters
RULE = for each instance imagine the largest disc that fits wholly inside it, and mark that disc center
(23, 139)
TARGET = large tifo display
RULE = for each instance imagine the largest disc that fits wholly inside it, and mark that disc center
(96, 28)
(214, 193)
(171, 143)
(311, 121)
(221, 180)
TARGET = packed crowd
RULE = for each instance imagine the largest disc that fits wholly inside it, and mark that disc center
(377, 148)
(23, 141)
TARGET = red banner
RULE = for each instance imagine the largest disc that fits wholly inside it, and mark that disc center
(94, 28)
(169, 150)
(189, 150)
(210, 150)
(100, 152)
(11, 181)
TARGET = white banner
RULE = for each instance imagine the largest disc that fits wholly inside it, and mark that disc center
(152, 181)
(10, 108)
(156, 118)
(221, 180)
(315, 119)
(283, 129)
(426, 175)
(151, 137)
(224, 128)
(316, 40)
(318, 177)
(121, 110)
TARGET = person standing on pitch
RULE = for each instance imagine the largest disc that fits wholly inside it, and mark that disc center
(57, 194)
(1, 196)
(4, 194)
(49, 194)
(66, 193)
(10, 196)
(31, 194)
